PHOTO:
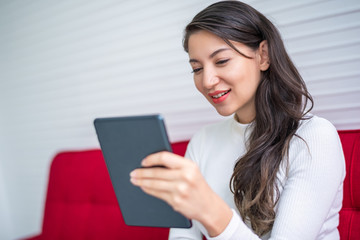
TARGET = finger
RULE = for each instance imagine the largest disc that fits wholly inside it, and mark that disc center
(153, 184)
(155, 173)
(166, 159)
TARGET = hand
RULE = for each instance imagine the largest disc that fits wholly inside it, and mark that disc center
(183, 187)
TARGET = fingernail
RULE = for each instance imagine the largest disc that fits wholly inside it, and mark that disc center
(132, 174)
(133, 180)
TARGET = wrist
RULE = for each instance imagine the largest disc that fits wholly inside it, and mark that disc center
(217, 218)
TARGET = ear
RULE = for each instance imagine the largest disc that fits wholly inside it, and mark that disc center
(264, 56)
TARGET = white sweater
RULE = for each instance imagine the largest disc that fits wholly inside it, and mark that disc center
(310, 195)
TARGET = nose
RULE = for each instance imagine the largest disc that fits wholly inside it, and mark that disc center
(210, 78)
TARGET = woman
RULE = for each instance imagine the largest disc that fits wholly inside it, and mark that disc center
(285, 167)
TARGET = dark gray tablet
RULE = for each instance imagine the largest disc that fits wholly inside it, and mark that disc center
(125, 142)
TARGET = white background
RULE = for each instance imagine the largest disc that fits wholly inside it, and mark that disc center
(63, 63)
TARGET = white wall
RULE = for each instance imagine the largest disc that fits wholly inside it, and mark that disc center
(63, 63)
(5, 219)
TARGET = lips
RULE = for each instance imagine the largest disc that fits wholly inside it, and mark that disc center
(219, 96)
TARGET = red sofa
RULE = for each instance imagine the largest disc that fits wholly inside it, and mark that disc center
(81, 203)
(349, 226)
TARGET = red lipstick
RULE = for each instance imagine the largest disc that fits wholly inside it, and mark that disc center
(219, 96)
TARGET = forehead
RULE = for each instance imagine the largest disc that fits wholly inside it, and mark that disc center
(203, 43)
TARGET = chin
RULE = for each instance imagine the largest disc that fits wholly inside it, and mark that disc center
(225, 113)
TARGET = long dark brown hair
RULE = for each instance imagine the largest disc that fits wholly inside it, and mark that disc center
(281, 102)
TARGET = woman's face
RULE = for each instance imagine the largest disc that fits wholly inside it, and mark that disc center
(227, 79)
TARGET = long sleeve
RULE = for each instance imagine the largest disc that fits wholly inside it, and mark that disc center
(235, 230)
(312, 195)
(192, 233)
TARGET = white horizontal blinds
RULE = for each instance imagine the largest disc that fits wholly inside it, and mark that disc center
(63, 63)
(102, 58)
(323, 39)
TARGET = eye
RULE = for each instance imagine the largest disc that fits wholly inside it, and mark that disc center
(196, 70)
(221, 62)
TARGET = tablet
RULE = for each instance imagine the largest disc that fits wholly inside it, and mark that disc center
(125, 142)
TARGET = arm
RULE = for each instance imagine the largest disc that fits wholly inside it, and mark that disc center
(312, 195)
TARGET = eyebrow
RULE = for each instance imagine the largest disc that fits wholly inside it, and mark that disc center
(211, 55)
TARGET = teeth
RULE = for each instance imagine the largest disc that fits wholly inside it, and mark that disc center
(220, 94)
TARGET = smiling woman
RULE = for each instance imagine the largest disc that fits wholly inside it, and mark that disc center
(284, 165)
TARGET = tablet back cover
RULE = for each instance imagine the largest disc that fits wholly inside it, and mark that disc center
(125, 142)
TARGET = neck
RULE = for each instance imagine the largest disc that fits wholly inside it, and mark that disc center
(244, 120)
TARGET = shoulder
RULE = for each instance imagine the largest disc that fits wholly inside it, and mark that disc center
(317, 145)
(316, 128)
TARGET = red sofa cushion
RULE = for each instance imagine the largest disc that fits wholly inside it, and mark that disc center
(349, 226)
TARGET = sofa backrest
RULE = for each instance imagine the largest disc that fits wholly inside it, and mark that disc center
(349, 226)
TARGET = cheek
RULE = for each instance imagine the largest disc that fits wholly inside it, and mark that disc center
(246, 82)
(257, 80)
(251, 77)
(252, 85)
